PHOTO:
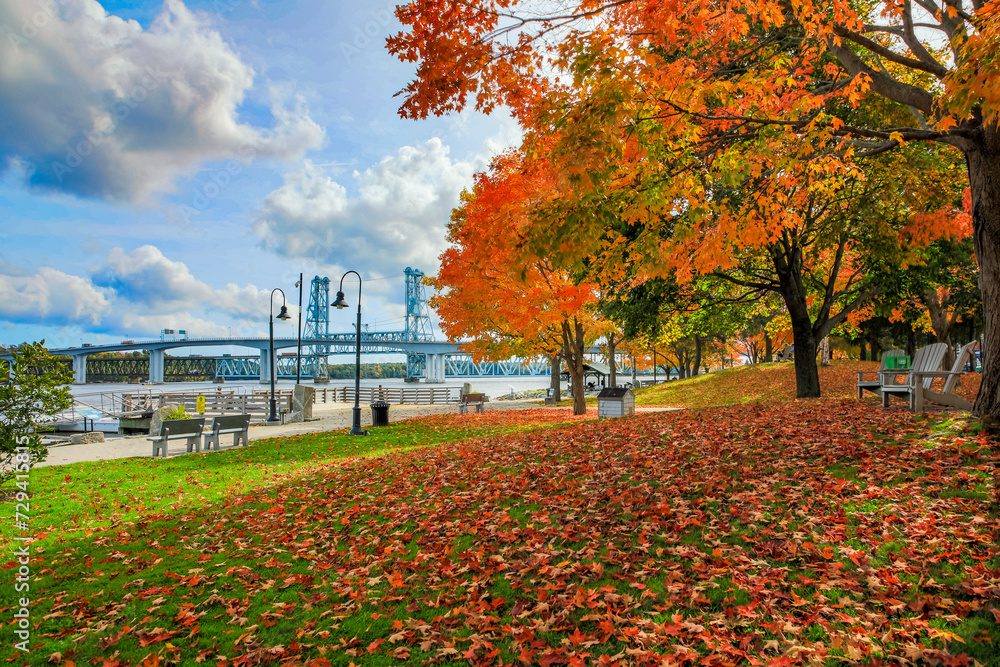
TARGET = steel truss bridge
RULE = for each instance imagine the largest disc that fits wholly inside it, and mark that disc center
(441, 359)
(426, 358)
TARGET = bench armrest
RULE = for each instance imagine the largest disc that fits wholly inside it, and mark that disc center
(937, 374)
(888, 377)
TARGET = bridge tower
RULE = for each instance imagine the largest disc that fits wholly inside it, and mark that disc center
(418, 321)
(317, 326)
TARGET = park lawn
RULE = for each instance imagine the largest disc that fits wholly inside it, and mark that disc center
(767, 382)
(789, 532)
(81, 498)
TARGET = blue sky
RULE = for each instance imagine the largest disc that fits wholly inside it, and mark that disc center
(166, 164)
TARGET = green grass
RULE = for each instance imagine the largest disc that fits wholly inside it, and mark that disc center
(68, 500)
(705, 529)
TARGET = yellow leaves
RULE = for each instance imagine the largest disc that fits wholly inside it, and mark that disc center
(944, 635)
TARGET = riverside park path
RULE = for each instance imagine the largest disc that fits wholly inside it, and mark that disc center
(326, 417)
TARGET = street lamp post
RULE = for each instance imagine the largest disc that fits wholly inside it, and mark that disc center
(272, 361)
(340, 304)
(298, 353)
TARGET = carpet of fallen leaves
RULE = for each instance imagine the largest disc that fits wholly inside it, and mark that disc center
(802, 532)
(767, 382)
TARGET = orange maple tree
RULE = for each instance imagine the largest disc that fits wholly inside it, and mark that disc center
(649, 98)
(496, 298)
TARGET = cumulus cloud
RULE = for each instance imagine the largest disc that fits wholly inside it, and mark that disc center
(98, 107)
(148, 279)
(398, 218)
(130, 293)
(50, 296)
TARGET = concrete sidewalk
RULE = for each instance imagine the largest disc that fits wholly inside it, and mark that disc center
(331, 417)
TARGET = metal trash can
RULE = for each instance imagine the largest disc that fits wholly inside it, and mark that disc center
(380, 413)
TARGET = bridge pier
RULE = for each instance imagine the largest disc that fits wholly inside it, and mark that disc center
(265, 366)
(157, 360)
(80, 369)
(434, 363)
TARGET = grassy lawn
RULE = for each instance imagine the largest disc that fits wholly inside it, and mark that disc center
(765, 382)
(85, 497)
(812, 532)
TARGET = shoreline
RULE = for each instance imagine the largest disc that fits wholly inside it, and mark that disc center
(326, 417)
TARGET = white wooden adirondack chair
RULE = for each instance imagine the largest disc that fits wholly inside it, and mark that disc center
(927, 360)
(876, 385)
(947, 394)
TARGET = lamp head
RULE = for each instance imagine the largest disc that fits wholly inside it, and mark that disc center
(339, 304)
(283, 315)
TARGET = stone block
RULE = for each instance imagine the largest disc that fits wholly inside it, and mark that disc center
(86, 438)
(159, 415)
(302, 401)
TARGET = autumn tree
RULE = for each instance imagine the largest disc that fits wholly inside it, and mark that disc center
(500, 301)
(942, 278)
(641, 91)
(36, 387)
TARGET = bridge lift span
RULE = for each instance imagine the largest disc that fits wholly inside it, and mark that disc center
(426, 358)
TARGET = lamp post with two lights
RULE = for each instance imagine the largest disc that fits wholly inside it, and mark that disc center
(272, 361)
(340, 304)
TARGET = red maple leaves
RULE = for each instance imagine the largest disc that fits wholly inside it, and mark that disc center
(783, 533)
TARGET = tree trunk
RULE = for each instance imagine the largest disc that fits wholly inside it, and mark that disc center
(611, 357)
(864, 352)
(768, 349)
(806, 370)
(697, 354)
(573, 354)
(555, 363)
(875, 349)
(984, 181)
(911, 343)
(788, 267)
(941, 322)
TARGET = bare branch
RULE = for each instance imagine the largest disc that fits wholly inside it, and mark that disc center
(935, 68)
(931, 67)
(882, 83)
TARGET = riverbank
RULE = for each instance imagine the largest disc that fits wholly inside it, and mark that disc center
(327, 417)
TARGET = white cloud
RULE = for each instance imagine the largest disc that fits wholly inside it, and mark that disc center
(131, 293)
(398, 218)
(150, 281)
(50, 296)
(98, 107)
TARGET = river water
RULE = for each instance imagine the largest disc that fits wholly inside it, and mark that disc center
(492, 387)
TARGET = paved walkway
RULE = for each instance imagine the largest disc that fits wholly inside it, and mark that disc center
(331, 417)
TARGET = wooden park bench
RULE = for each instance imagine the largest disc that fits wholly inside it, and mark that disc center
(876, 385)
(926, 360)
(188, 430)
(238, 425)
(472, 400)
(919, 386)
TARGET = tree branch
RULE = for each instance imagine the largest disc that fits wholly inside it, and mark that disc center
(882, 83)
(932, 67)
